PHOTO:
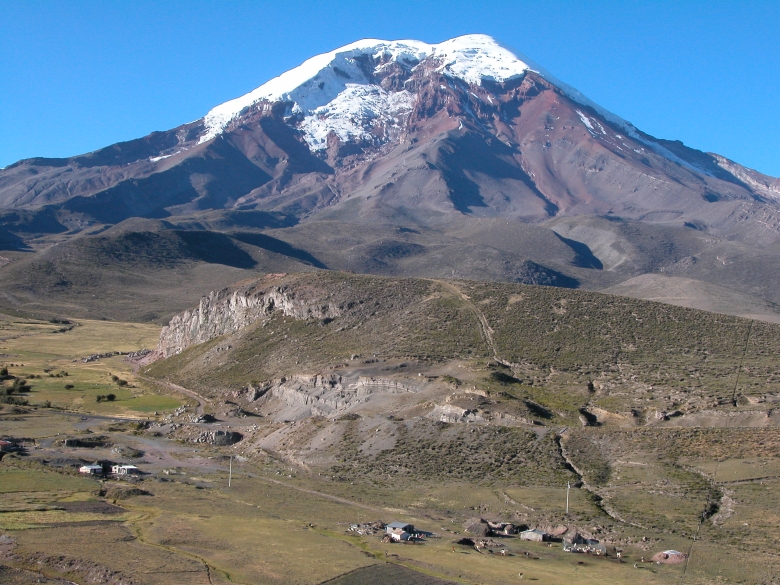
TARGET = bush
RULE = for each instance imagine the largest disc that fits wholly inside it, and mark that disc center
(3, 372)
(17, 400)
(68, 386)
(110, 397)
(503, 378)
(121, 382)
(100, 397)
(19, 385)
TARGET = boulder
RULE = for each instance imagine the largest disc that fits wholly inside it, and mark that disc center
(478, 527)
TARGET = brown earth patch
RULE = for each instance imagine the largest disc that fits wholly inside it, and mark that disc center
(95, 507)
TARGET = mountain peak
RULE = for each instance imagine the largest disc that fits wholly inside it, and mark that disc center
(318, 81)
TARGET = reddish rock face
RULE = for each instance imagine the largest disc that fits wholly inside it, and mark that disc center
(521, 149)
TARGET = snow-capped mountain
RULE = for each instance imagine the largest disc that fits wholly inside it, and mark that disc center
(431, 139)
(342, 90)
(362, 100)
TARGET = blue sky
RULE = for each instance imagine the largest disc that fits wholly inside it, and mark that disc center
(78, 75)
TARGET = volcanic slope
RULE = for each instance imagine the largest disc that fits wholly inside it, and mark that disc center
(404, 158)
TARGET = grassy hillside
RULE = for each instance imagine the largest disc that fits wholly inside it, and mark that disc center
(637, 355)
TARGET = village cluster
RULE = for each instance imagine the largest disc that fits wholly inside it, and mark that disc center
(481, 531)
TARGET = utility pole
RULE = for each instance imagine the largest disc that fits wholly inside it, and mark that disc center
(230, 479)
(568, 487)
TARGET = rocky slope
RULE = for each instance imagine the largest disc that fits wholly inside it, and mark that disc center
(326, 344)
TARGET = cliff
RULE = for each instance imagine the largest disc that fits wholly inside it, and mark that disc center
(231, 309)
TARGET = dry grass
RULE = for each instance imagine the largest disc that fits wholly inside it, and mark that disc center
(49, 355)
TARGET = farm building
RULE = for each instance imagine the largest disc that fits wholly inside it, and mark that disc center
(125, 470)
(6, 446)
(398, 535)
(399, 526)
(535, 535)
(91, 469)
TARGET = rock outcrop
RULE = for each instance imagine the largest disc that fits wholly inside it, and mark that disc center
(219, 438)
(231, 309)
(327, 395)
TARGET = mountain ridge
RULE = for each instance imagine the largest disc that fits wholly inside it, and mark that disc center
(415, 141)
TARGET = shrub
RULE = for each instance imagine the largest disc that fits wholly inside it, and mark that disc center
(3, 372)
(100, 397)
(121, 382)
(19, 385)
(68, 386)
(503, 378)
(110, 397)
(17, 400)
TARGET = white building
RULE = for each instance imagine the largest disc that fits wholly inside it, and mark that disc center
(91, 469)
(125, 470)
(398, 535)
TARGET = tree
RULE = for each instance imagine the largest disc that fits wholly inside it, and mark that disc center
(110, 397)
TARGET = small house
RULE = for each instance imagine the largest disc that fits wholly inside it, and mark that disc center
(398, 535)
(534, 535)
(91, 469)
(125, 470)
(6, 446)
(402, 526)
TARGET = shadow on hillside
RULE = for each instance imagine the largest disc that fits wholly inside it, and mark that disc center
(279, 247)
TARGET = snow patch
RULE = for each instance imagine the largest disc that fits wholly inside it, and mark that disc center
(585, 120)
(360, 112)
